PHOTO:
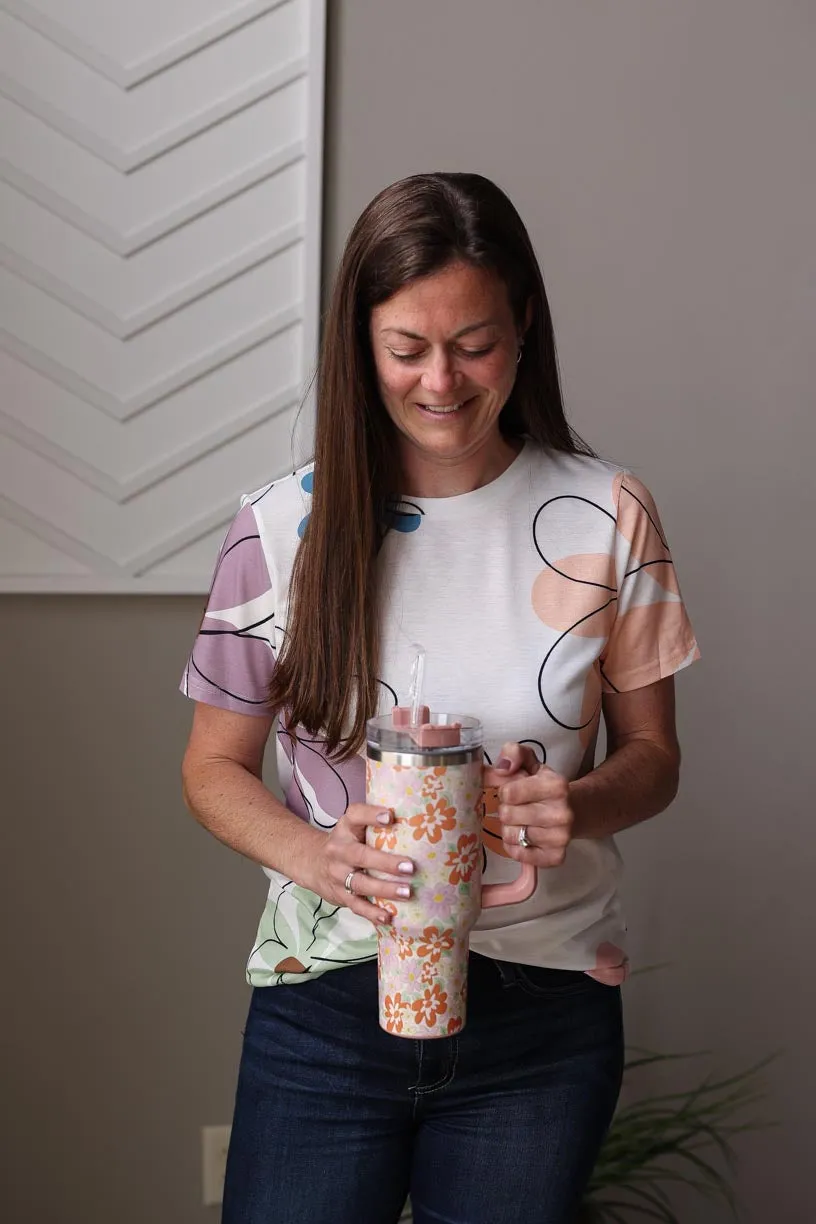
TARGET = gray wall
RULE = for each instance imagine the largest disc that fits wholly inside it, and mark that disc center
(126, 925)
(661, 157)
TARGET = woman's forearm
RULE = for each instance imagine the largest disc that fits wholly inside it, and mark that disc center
(235, 806)
(636, 781)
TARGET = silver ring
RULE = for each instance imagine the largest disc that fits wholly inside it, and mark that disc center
(522, 838)
(349, 879)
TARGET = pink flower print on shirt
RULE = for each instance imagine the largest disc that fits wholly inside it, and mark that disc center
(433, 943)
(611, 965)
(464, 859)
(437, 817)
(433, 1003)
(290, 964)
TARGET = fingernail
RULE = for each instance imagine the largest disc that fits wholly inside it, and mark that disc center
(383, 817)
(385, 917)
(503, 763)
(403, 891)
(406, 867)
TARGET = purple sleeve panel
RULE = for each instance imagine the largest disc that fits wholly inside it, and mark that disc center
(233, 658)
(321, 788)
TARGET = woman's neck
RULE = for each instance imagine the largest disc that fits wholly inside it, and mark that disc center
(428, 475)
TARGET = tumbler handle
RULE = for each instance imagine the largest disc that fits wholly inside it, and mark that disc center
(514, 891)
(520, 889)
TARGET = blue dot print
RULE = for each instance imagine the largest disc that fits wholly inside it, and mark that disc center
(404, 516)
(307, 485)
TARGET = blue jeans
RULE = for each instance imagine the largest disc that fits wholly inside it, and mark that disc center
(336, 1120)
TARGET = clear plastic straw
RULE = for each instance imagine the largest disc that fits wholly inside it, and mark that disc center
(417, 682)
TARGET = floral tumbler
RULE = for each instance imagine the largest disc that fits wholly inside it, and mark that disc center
(430, 775)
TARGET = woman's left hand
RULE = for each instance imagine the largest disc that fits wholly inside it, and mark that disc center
(534, 801)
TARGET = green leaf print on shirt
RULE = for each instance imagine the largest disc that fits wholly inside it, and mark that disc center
(300, 935)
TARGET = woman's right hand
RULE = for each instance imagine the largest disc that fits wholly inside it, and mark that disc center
(344, 850)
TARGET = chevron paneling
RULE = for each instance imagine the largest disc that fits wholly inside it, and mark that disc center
(160, 175)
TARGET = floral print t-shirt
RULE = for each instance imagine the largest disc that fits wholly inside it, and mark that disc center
(533, 596)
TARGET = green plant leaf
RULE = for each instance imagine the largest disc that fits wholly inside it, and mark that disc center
(671, 1175)
(649, 1057)
(655, 1141)
(609, 1211)
(658, 1202)
(718, 1183)
(639, 1209)
(651, 1134)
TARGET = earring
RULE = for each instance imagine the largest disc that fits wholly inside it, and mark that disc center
(520, 351)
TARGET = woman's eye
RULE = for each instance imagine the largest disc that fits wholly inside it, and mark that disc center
(469, 353)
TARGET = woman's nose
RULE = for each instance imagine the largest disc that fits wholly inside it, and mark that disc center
(440, 375)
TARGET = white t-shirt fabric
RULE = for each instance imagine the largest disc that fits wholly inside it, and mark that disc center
(532, 596)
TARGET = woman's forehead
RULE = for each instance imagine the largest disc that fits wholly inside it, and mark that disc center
(455, 300)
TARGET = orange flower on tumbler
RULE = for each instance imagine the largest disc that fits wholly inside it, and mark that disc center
(431, 823)
(454, 1025)
(384, 839)
(464, 859)
(434, 943)
(433, 1003)
(393, 1007)
(429, 972)
(432, 785)
(405, 947)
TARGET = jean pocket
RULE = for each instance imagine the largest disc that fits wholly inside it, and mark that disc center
(555, 983)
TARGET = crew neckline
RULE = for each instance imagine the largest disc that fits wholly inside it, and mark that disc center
(445, 507)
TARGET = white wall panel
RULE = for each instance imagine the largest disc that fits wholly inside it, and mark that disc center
(129, 42)
(127, 210)
(160, 170)
(125, 127)
(134, 536)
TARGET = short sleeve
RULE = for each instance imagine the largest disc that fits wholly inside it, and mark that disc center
(651, 636)
(233, 655)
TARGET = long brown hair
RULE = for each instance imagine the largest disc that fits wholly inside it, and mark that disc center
(325, 679)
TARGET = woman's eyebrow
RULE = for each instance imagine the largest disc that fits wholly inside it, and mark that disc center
(401, 331)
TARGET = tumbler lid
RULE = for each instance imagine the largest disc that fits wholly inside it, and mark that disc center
(437, 733)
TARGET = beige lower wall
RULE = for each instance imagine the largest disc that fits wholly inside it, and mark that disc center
(661, 156)
(126, 925)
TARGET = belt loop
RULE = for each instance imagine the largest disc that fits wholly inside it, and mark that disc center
(508, 972)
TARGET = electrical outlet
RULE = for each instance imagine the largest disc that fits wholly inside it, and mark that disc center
(214, 1145)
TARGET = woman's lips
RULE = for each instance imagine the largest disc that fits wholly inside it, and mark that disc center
(443, 410)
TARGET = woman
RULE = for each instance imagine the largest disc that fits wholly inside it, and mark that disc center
(449, 503)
